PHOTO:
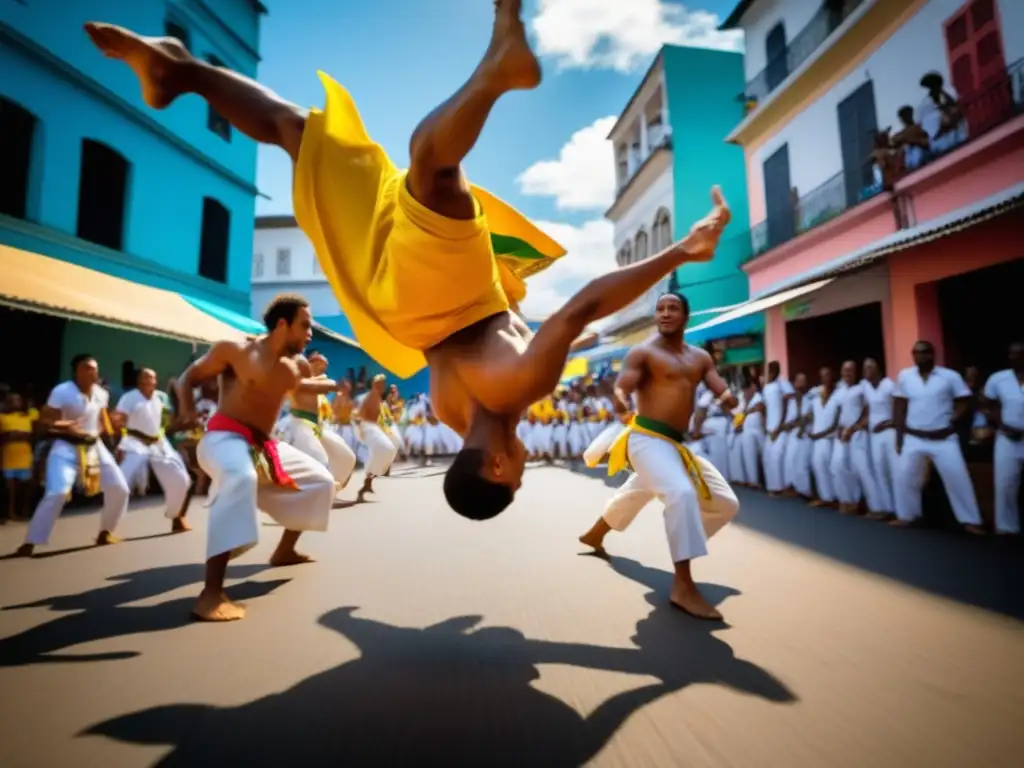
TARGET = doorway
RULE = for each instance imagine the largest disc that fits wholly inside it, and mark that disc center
(829, 340)
(31, 361)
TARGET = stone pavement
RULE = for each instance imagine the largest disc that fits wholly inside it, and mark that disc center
(419, 637)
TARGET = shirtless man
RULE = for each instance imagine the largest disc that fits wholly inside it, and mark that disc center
(303, 427)
(247, 468)
(382, 449)
(664, 373)
(398, 291)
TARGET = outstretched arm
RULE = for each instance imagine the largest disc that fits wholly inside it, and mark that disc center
(212, 364)
(538, 371)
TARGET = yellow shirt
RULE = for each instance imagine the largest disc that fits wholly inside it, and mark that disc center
(18, 455)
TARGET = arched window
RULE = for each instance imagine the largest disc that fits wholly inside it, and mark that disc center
(662, 230)
(627, 254)
(102, 195)
(641, 245)
(214, 240)
(17, 131)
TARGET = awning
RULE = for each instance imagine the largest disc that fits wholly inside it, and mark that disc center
(954, 221)
(754, 306)
(722, 327)
(42, 284)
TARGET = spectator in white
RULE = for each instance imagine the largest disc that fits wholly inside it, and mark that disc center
(797, 469)
(737, 474)
(145, 446)
(851, 457)
(927, 400)
(73, 415)
(716, 434)
(753, 434)
(1004, 392)
(878, 393)
(776, 395)
(824, 424)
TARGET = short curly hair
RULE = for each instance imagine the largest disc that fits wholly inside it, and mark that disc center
(469, 493)
(284, 307)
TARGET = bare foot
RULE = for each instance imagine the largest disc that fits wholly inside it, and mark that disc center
(153, 59)
(180, 525)
(877, 515)
(215, 606)
(106, 538)
(975, 530)
(816, 503)
(289, 557)
(25, 550)
(593, 540)
(690, 600)
(847, 509)
(509, 63)
(897, 523)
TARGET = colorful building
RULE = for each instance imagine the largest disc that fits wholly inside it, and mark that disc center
(131, 197)
(669, 152)
(884, 142)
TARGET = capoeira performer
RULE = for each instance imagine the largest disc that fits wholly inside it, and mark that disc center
(416, 443)
(664, 372)
(381, 448)
(146, 446)
(928, 400)
(398, 290)
(776, 395)
(878, 393)
(341, 410)
(753, 435)
(576, 434)
(1004, 392)
(851, 457)
(824, 426)
(305, 428)
(543, 430)
(737, 472)
(560, 430)
(73, 416)
(247, 468)
(392, 412)
(797, 468)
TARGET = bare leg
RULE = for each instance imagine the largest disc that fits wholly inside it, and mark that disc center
(106, 538)
(285, 553)
(688, 598)
(166, 70)
(444, 138)
(367, 487)
(595, 536)
(180, 524)
(213, 603)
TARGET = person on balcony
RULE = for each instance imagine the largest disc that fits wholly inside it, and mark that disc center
(912, 139)
(941, 115)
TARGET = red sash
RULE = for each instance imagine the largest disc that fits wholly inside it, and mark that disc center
(265, 456)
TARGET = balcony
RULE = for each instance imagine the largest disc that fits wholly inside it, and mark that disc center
(990, 107)
(799, 49)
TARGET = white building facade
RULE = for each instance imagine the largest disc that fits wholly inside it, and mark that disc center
(283, 261)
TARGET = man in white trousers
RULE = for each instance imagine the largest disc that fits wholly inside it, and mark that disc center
(74, 414)
(776, 394)
(664, 373)
(851, 454)
(797, 469)
(878, 393)
(304, 427)
(928, 399)
(250, 471)
(381, 448)
(146, 447)
(1004, 392)
(824, 425)
(752, 435)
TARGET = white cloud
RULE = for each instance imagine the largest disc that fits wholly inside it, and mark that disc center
(583, 176)
(590, 253)
(622, 34)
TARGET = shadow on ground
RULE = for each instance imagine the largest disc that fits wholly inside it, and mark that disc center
(451, 694)
(104, 613)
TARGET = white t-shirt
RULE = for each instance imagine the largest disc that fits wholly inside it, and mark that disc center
(824, 413)
(930, 402)
(144, 414)
(879, 400)
(1005, 387)
(851, 404)
(773, 394)
(84, 409)
(754, 422)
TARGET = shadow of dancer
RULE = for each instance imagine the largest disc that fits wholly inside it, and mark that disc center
(104, 613)
(444, 695)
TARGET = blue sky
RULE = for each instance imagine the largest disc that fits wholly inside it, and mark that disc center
(400, 58)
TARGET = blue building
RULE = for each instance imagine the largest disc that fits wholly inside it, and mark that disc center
(92, 177)
(669, 150)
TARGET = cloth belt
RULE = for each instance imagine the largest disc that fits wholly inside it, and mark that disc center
(264, 450)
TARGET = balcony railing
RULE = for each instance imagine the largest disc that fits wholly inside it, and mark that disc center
(990, 107)
(664, 142)
(799, 49)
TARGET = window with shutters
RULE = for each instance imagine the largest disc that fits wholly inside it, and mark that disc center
(284, 262)
(776, 54)
(257, 265)
(977, 65)
(858, 125)
(17, 133)
(214, 240)
(778, 206)
(102, 195)
(216, 122)
(662, 230)
(640, 252)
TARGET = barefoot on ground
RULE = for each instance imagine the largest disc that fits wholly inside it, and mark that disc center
(215, 606)
(689, 600)
(180, 525)
(593, 541)
(151, 58)
(106, 538)
(289, 557)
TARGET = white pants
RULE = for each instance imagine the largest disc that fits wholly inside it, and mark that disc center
(737, 472)
(577, 437)
(395, 435)
(1008, 459)
(845, 478)
(716, 439)
(690, 520)
(450, 441)
(774, 460)
(597, 449)
(62, 472)
(884, 462)
(381, 450)
(560, 440)
(541, 436)
(348, 435)
(948, 460)
(797, 470)
(422, 439)
(821, 460)
(236, 492)
(329, 449)
(753, 453)
(167, 465)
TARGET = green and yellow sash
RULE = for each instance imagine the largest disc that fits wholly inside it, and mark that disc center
(309, 416)
(618, 453)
